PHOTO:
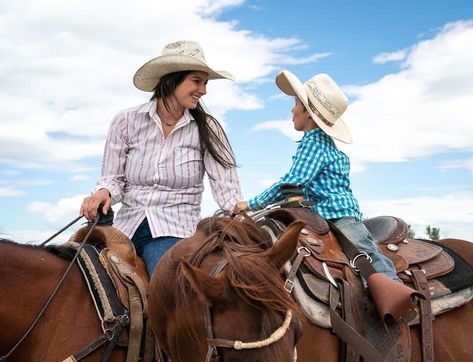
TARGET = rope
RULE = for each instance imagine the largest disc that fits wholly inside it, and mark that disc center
(275, 336)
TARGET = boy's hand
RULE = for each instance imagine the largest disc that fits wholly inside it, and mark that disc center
(240, 206)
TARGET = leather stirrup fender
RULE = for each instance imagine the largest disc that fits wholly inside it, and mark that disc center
(393, 298)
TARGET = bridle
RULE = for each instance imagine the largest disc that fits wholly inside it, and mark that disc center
(214, 343)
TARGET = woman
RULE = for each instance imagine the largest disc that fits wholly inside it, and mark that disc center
(156, 155)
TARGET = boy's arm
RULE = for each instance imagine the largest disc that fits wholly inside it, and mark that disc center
(307, 163)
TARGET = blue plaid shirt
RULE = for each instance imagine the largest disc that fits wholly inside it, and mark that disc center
(322, 172)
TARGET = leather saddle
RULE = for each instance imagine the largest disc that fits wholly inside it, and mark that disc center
(326, 271)
(328, 259)
(130, 279)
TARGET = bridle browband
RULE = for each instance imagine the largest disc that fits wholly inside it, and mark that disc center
(214, 343)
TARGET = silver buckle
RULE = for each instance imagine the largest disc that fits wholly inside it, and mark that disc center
(289, 286)
(307, 251)
(352, 262)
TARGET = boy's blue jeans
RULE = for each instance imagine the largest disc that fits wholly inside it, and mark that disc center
(361, 238)
(149, 248)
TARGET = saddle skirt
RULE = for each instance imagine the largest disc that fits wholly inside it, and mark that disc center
(130, 279)
(448, 276)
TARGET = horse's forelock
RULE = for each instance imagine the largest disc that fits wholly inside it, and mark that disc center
(242, 243)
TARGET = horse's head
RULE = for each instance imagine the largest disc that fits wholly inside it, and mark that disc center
(248, 314)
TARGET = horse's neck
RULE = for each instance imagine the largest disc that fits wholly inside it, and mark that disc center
(22, 265)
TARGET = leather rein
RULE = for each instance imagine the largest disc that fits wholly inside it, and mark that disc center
(214, 343)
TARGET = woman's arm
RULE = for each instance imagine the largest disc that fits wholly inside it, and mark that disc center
(224, 182)
(109, 187)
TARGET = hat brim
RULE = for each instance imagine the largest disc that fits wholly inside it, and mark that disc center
(148, 75)
(291, 85)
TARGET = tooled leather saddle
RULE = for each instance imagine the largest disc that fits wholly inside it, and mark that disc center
(332, 295)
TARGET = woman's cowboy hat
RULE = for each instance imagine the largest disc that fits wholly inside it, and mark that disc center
(179, 56)
(322, 98)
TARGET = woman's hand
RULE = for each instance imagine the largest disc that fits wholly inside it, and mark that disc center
(240, 206)
(91, 203)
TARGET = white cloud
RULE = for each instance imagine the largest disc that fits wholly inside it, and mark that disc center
(80, 178)
(305, 60)
(466, 164)
(423, 110)
(390, 57)
(66, 70)
(60, 213)
(285, 127)
(453, 214)
(37, 237)
(11, 192)
(213, 7)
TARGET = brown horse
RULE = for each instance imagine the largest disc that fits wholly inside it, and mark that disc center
(28, 275)
(453, 337)
(236, 294)
(178, 318)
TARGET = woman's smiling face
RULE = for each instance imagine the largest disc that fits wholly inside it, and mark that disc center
(192, 88)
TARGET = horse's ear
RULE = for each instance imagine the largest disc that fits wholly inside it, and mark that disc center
(285, 246)
(211, 289)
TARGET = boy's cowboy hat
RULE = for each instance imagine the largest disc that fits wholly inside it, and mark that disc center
(178, 56)
(322, 98)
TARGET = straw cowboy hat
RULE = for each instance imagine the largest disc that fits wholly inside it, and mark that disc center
(322, 98)
(178, 56)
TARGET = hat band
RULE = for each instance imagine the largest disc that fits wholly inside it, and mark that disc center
(318, 114)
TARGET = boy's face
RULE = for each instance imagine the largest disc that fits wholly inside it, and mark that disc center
(301, 118)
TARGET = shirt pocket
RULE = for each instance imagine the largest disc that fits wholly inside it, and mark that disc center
(189, 167)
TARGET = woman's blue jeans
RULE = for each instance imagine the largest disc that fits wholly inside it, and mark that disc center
(149, 248)
(362, 239)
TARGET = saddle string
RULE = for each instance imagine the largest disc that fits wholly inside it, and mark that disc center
(54, 292)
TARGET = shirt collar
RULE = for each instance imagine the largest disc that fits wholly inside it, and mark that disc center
(147, 107)
(313, 132)
(150, 108)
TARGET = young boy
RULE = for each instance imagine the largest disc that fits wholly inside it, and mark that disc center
(319, 168)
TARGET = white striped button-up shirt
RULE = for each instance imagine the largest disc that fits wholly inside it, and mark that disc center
(161, 178)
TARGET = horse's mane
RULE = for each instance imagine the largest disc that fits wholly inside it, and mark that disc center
(241, 242)
(11, 242)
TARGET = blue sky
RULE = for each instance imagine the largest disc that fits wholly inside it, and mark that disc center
(66, 69)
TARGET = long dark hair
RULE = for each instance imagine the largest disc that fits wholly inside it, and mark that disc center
(209, 137)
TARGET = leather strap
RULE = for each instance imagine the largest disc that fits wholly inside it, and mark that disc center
(112, 344)
(302, 253)
(361, 263)
(348, 334)
(425, 314)
(87, 349)
(347, 314)
(111, 336)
